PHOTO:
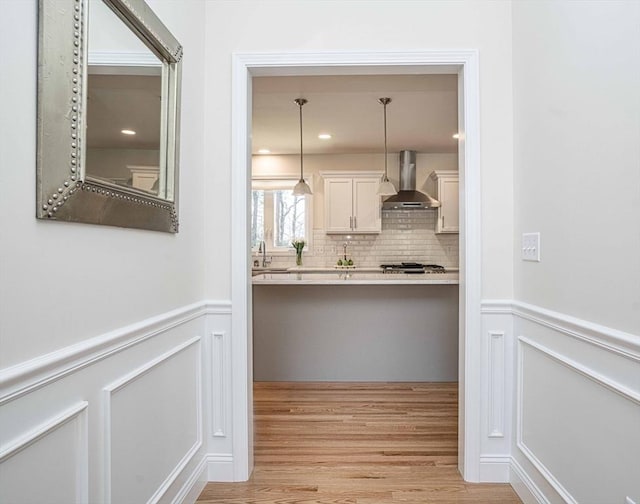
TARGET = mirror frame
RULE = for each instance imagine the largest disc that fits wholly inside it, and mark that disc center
(64, 191)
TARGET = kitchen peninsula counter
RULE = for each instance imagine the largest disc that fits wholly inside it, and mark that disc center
(353, 277)
(355, 326)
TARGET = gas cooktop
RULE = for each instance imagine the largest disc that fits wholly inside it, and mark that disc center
(412, 268)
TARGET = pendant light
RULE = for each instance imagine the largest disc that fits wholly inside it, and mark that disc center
(301, 188)
(386, 188)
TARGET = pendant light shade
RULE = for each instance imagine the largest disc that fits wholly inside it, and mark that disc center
(301, 188)
(386, 188)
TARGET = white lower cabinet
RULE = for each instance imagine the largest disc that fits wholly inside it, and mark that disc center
(351, 203)
(444, 186)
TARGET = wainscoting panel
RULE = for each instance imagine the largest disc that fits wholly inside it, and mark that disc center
(219, 384)
(218, 393)
(571, 406)
(121, 417)
(497, 375)
(577, 410)
(153, 425)
(49, 463)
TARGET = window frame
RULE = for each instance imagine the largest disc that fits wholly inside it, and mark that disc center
(275, 182)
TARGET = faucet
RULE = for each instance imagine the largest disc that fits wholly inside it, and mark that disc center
(262, 249)
(345, 257)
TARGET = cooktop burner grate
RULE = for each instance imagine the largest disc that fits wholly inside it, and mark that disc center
(412, 268)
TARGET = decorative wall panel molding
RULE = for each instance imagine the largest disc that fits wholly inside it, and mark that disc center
(193, 485)
(217, 307)
(497, 306)
(76, 415)
(542, 469)
(497, 376)
(561, 402)
(111, 391)
(496, 362)
(584, 359)
(33, 374)
(83, 370)
(617, 342)
(522, 482)
(220, 364)
(592, 375)
(173, 475)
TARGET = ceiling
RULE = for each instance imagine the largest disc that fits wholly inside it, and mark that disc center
(422, 115)
(116, 102)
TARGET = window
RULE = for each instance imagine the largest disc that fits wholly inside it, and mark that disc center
(277, 216)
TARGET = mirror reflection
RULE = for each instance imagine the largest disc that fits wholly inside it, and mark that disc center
(124, 107)
(108, 150)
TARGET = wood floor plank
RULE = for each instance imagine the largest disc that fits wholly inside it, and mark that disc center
(356, 443)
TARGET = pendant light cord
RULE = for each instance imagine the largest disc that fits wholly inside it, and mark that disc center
(301, 102)
(384, 102)
(301, 157)
(386, 177)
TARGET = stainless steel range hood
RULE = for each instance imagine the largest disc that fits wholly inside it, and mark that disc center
(408, 198)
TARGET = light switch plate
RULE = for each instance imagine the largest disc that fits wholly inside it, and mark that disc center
(531, 247)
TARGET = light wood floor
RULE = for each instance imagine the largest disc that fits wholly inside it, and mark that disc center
(340, 443)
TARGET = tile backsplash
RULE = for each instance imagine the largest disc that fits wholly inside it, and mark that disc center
(406, 236)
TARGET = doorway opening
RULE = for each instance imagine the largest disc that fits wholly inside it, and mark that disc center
(463, 64)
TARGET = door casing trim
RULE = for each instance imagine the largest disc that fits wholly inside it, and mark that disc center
(465, 64)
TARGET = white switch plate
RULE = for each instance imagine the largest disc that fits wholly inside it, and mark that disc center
(628, 500)
(531, 247)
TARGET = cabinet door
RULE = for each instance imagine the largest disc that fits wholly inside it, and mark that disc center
(338, 205)
(366, 206)
(448, 213)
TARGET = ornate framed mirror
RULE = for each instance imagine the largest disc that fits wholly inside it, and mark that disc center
(108, 115)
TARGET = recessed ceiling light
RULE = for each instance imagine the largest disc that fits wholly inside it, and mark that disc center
(324, 136)
(456, 135)
(127, 132)
(264, 151)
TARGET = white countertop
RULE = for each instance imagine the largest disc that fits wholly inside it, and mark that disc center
(352, 277)
(313, 269)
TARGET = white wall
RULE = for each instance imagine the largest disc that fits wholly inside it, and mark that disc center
(577, 157)
(284, 26)
(577, 312)
(84, 280)
(84, 308)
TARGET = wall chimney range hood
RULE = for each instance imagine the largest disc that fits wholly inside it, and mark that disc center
(408, 198)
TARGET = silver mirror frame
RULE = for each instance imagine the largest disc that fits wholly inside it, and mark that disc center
(64, 192)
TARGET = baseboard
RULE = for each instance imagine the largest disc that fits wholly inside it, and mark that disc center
(220, 467)
(495, 468)
(524, 486)
(194, 485)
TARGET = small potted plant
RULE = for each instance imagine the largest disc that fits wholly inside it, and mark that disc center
(298, 244)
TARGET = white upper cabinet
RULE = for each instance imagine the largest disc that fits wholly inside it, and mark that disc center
(444, 186)
(351, 202)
